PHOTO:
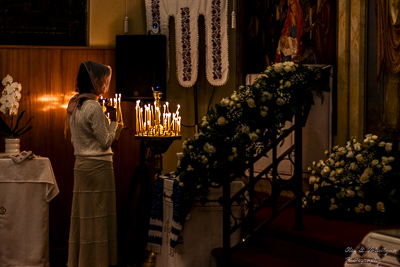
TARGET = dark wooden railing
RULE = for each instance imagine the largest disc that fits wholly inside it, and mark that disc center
(254, 203)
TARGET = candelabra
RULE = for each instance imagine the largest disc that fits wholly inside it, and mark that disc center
(157, 128)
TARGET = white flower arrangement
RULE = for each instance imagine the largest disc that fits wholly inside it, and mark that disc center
(10, 96)
(9, 105)
(356, 179)
(242, 123)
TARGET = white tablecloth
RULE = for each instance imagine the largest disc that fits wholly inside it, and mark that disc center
(25, 192)
(378, 248)
(202, 230)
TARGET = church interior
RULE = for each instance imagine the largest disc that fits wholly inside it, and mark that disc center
(222, 179)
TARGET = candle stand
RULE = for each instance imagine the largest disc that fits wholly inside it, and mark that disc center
(158, 145)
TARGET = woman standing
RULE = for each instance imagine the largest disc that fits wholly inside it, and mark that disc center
(93, 229)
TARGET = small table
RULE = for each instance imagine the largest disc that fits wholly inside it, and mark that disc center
(25, 192)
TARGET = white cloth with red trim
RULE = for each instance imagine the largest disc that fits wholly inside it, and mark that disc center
(186, 14)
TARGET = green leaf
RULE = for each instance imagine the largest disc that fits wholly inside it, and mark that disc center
(4, 128)
(22, 131)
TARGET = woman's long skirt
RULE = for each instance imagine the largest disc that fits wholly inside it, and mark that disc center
(93, 229)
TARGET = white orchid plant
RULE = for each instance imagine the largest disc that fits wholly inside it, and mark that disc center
(359, 180)
(246, 122)
(9, 104)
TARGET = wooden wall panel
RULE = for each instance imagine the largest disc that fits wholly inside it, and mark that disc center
(47, 75)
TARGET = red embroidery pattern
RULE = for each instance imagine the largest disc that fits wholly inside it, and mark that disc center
(186, 52)
(216, 39)
(155, 12)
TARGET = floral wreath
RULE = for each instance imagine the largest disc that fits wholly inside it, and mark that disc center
(246, 122)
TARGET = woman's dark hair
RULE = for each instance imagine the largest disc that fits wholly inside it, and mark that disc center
(83, 83)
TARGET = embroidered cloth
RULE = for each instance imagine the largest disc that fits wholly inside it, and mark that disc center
(181, 204)
(186, 14)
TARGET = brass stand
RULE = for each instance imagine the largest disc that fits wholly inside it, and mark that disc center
(158, 145)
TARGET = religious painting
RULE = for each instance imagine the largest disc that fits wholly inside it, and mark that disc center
(383, 96)
(289, 30)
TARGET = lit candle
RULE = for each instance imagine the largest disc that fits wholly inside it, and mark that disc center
(137, 117)
(141, 119)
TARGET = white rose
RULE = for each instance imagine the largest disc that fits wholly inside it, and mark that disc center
(209, 148)
(380, 206)
(364, 178)
(253, 136)
(353, 166)
(288, 69)
(357, 146)
(375, 162)
(387, 168)
(325, 171)
(278, 67)
(342, 151)
(280, 102)
(367, 207)
(359, 158)
(333, 207)
(288, 84)
(221, 121)
(225, 102)
(288, 64)
(385, 160)
(251, 103)
(350, 193)
(382, 144)
(312, 179)
(263, 113)
(189, 168)
(267, 95)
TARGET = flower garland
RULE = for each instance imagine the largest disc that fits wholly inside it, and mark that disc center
(357, 180)
(246, 122)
